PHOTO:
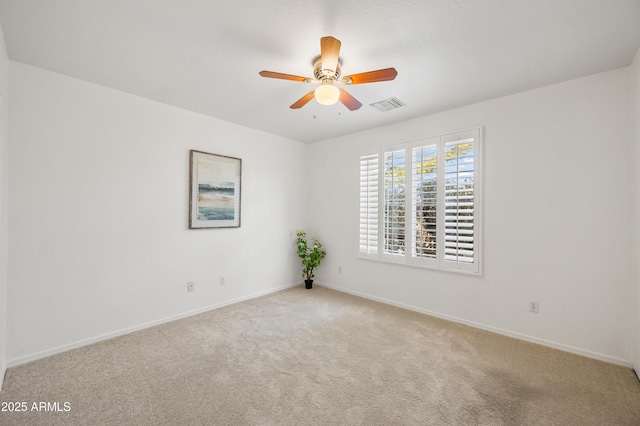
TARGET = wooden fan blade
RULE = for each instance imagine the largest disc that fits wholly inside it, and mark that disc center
(303, 100)
(385, 74)
(349, 101)
(329, 53)
(271, 74)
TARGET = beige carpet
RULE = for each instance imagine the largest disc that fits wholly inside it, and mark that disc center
(319, 357)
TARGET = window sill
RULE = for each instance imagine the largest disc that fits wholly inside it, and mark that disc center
(403, 262)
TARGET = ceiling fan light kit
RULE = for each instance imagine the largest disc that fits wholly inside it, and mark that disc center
(327, 94)
(327, 71)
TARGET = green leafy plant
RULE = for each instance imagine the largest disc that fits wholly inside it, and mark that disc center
(310, 252)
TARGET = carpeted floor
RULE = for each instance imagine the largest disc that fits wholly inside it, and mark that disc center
(318, 357)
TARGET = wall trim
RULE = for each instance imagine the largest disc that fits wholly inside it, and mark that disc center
(85, 342)
(520, 336)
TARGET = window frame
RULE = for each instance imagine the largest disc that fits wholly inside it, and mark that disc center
(441, 142)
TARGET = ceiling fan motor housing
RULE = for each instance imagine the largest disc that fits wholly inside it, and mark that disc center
(325, 74)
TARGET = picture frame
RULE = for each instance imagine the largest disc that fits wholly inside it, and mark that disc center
(214, 190)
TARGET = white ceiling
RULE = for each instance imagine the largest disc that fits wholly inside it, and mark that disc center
(205, 55)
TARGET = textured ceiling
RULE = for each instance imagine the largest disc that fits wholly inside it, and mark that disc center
(204, 55)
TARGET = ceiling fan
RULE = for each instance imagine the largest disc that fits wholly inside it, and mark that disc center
(327, 72)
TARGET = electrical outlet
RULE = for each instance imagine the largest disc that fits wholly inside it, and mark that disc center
(191, 286)
(534, 306)
(222, 280)
(339, 269)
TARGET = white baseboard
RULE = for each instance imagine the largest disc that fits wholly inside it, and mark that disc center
(64, 348)
(531, 339)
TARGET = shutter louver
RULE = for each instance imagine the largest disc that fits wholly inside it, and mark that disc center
(369, 204)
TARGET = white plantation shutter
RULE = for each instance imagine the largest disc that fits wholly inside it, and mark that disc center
(394, 202)
(369, 164)
(426, 194)
(424, 198)
(460, 219)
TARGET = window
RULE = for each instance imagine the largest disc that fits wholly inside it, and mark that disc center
(426, 194)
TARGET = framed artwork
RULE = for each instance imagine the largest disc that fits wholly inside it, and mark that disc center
(214, 194)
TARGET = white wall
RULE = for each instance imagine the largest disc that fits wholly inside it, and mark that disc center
(99, 244)
(635, 256)
(98, 202)
(4, 176)
(556, 218)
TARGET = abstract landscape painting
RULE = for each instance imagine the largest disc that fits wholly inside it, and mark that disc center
(214, 191)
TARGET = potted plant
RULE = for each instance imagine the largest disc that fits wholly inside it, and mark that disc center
(311, 253)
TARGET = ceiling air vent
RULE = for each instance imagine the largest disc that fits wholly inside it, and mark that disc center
(387, 104)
